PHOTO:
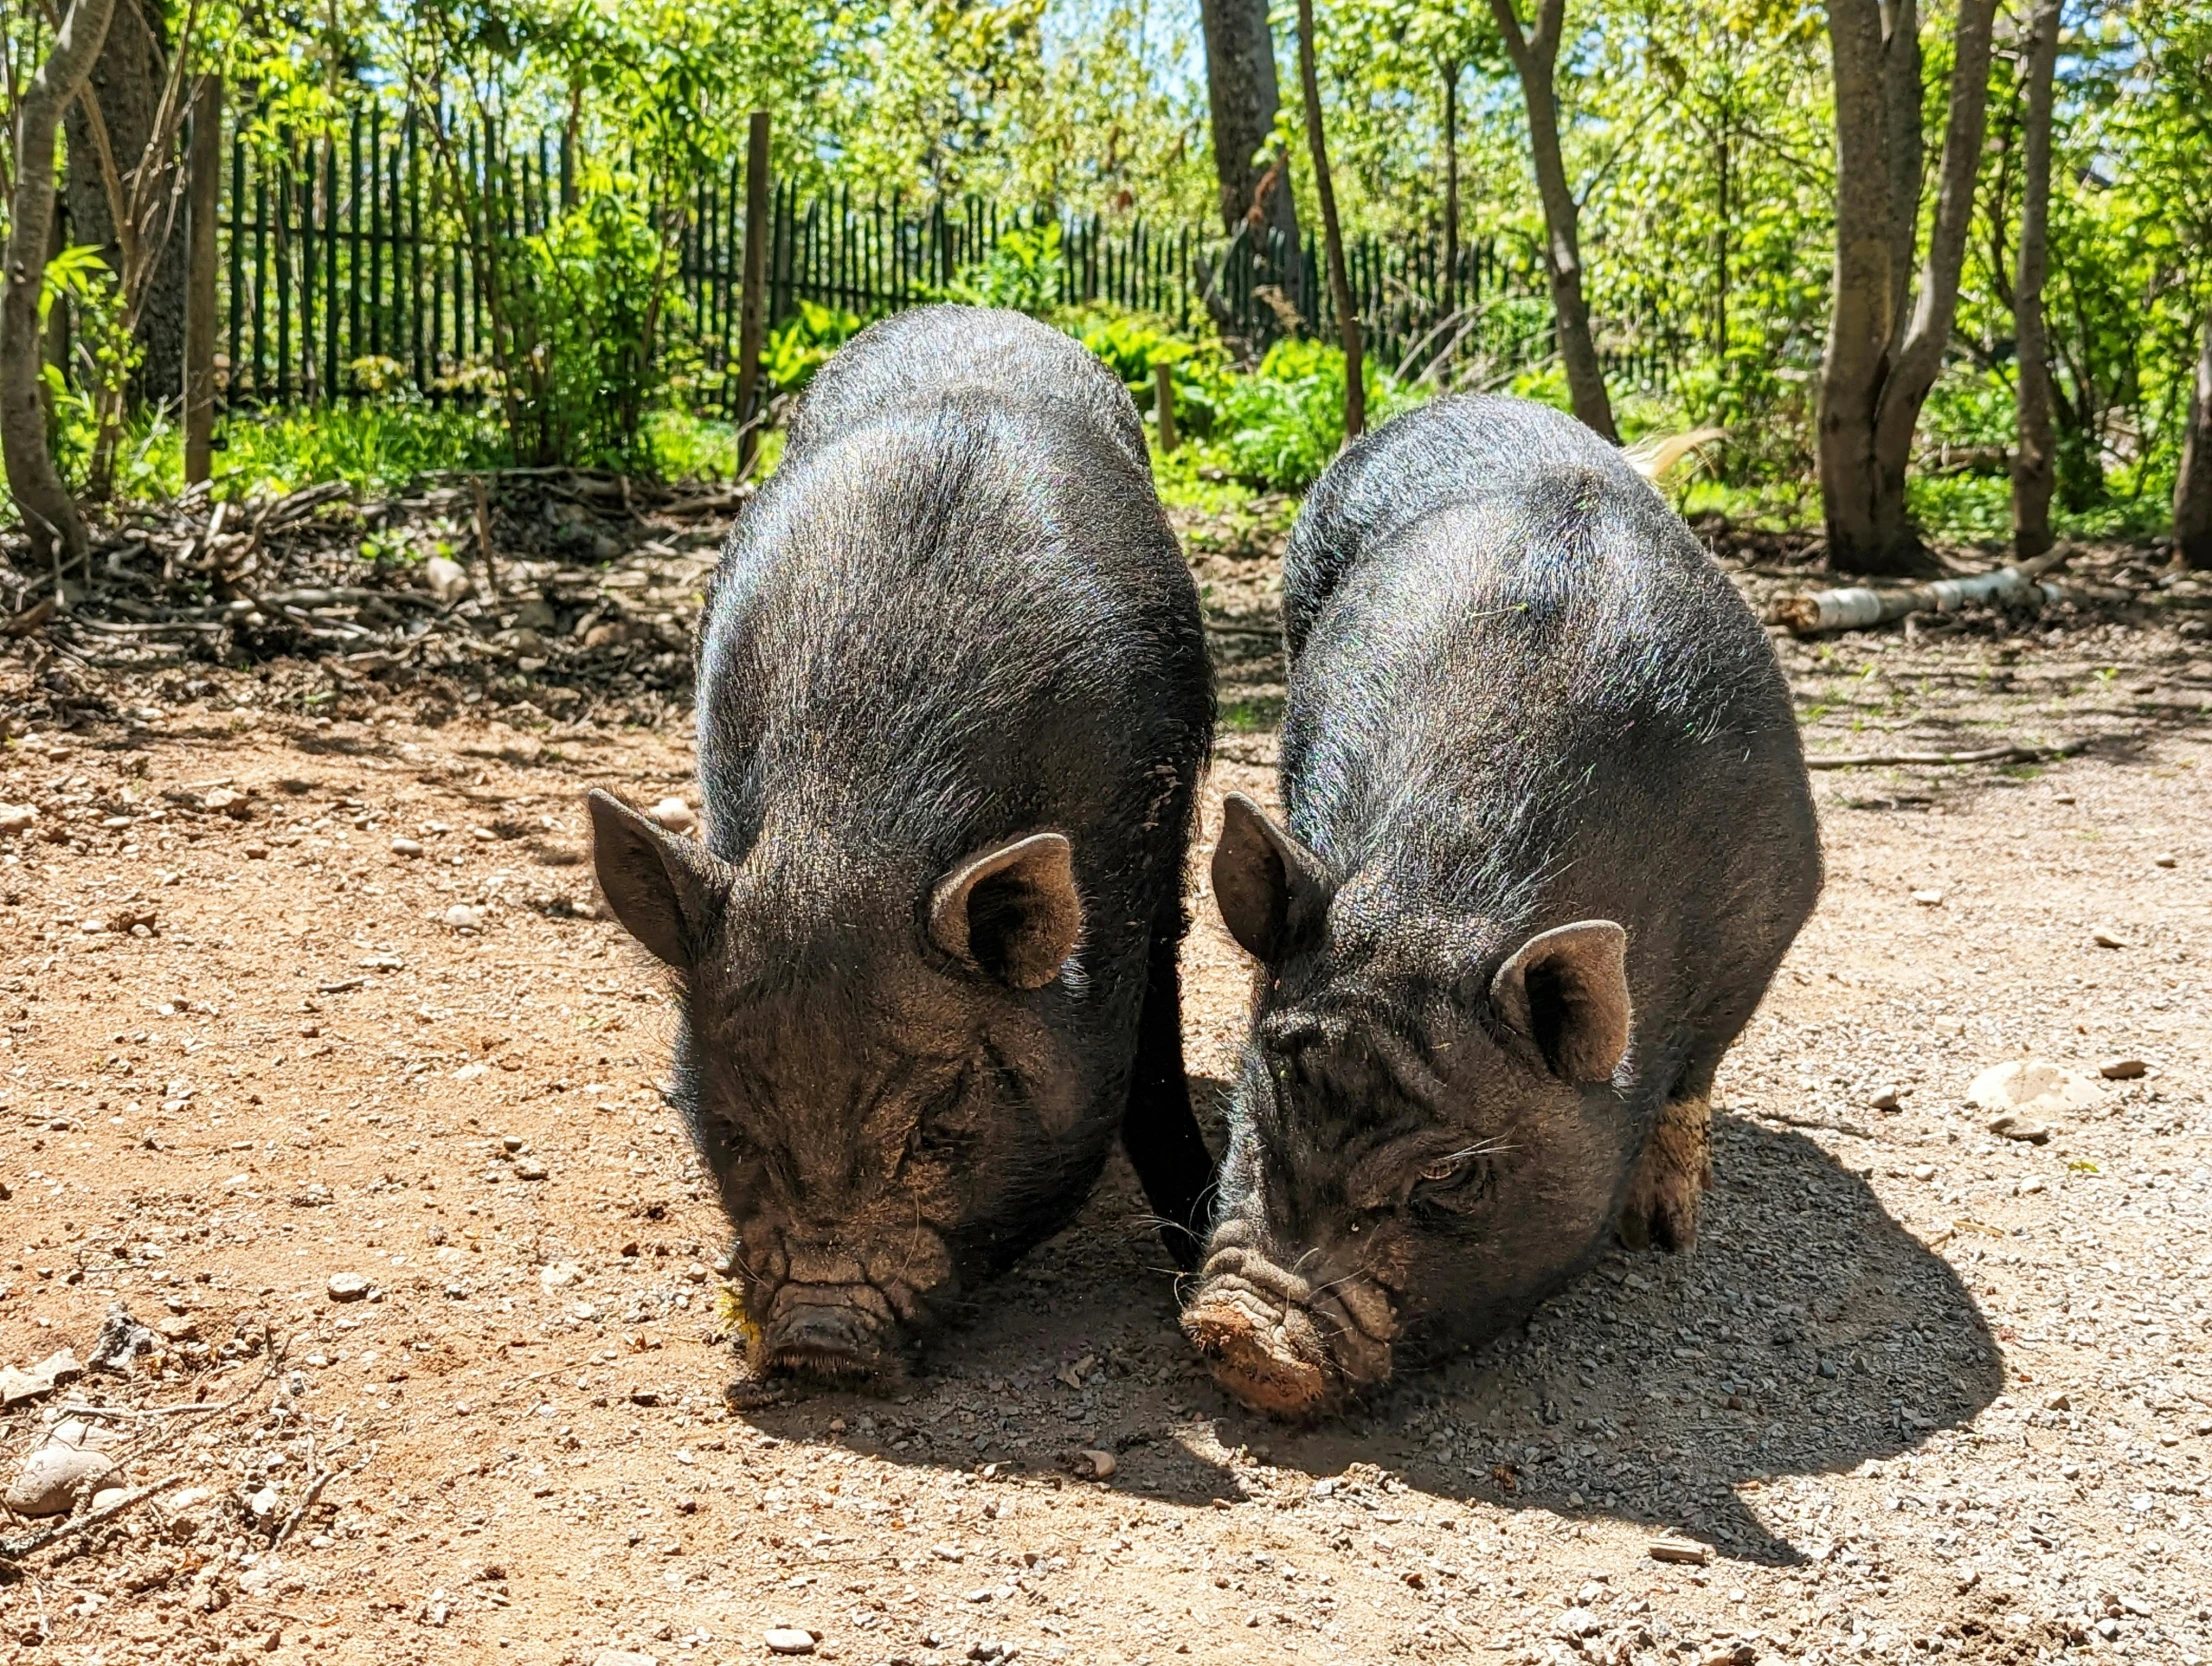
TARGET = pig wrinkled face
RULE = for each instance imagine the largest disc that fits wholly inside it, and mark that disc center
(1421, 1147)
(876, 1101)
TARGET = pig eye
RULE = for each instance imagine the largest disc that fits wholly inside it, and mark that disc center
(1444, 1168)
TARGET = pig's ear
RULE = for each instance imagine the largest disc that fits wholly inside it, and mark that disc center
(1013, 912)
(1566, 990)
(662, 888)
(1268, 886)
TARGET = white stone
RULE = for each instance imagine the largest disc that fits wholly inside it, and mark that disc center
(446, 579)
(60, 1471)
(2025, 1087)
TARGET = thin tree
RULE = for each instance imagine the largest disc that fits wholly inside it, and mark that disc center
(1243, 94)
(124, 129)
(1885, 341)
(1450, 69)
(2193, 486)
(2034, 461)
(57, 530)
(1332, 233)
(1535, 56)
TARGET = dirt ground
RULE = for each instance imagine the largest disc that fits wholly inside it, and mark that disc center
(1923, 1391)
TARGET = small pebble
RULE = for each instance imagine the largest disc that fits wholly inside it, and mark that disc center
(674, 814)
(2121, 1069)
(347, 1287)
(529, 1168)
(2019, 1128)
(461, 917)
(2164, 860)
(1888, 1099)
(789, 1640)
(1928, 899)
(2106, 938)
(406, 847)
(1100, 1464)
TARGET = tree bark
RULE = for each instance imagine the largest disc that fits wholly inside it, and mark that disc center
(2193, 487)
(127, 83)
(1332, 233)
(1535, 58)
(1881, 360)
(2034, 460)
(1242, 95)
(57, 530)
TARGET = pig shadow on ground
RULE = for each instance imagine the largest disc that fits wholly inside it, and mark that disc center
(1807, 1333)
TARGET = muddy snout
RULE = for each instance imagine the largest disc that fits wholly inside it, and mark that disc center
(842, 1333)
(1279, 1341)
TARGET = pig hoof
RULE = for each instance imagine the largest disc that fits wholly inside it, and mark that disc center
(1675, 1172)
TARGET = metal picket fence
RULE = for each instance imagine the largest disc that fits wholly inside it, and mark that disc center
(348, 271)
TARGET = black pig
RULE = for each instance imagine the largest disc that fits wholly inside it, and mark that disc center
(953, 700)
(1549, 836)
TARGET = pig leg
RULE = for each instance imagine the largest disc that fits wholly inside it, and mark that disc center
(1158, 1130)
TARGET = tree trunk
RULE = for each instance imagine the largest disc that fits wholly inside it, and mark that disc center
(127, 83)
(1451, 185)
(1332, 234)
(2034, 461)
(1535, 57)
(1243, 94)
(2193, 488)
(56, 529)
(1880, 361)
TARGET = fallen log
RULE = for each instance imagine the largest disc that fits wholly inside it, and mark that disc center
(1858, 606)
(1985, 755)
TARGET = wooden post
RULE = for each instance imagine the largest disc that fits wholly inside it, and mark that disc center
(1163, 405)
(203, 188)
(749, 318)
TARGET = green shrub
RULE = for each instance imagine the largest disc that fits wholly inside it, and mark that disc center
(1280, 425)
(595, 316)
(1024, 271)
(795, 351)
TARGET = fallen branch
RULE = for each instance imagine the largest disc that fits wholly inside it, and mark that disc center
(1788, 1121)
(1859, 606)
(82, 1408)
(1987, 755)
(484, 536)
(314, 1491)
(12, 1550)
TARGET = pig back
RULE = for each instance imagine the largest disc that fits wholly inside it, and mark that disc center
(1522, 695)
(935, 353)
(951, 619)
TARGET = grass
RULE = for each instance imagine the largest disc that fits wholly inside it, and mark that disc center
(382, 448)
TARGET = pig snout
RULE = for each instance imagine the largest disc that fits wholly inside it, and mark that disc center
(839, 1332)
(1293, 1343)
(841, 1316)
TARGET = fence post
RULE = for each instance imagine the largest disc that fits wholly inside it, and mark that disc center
(1163, 404)
(756, 272)
(203, 184)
